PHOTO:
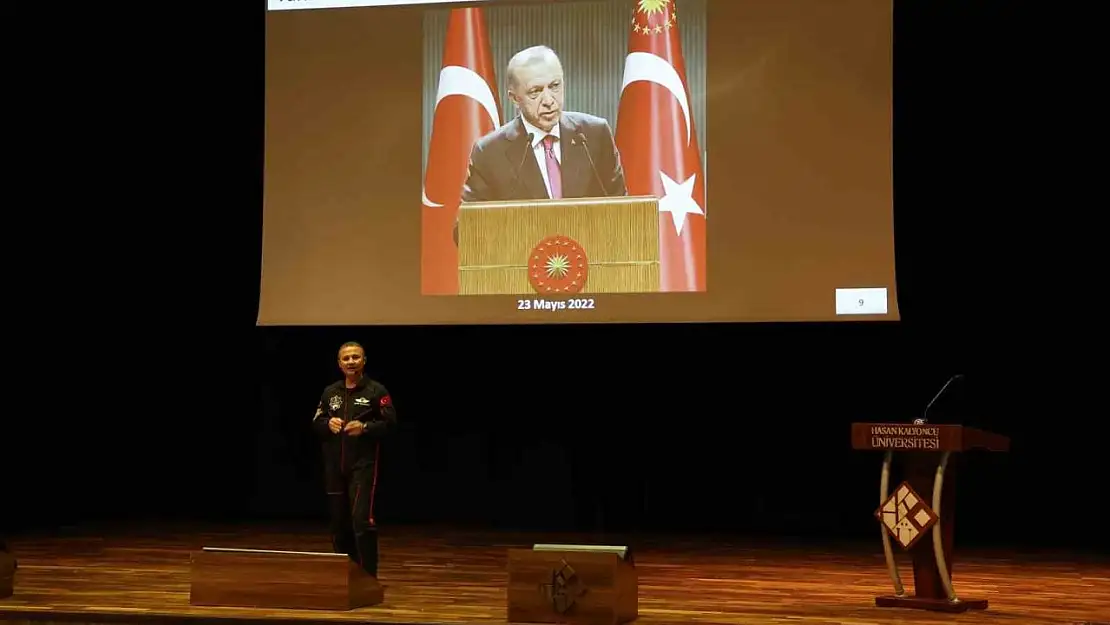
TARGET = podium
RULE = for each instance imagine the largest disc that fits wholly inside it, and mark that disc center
(922, 526)
(572, 585)
(7, 574)
(298, 580)
(559, 247)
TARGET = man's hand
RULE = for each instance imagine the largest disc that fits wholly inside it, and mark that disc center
(335, 424)
(354, 428)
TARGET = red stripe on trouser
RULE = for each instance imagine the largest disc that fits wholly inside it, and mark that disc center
(354, 506)
(374, 482)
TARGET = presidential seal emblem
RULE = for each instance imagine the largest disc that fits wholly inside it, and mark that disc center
(558, 264)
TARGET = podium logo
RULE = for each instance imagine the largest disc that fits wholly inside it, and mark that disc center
(558, 264)
(906, 516)
(564, 590)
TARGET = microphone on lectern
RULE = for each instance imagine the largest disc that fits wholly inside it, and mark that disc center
(524, 156)
(925, 415)
(580, 139)
(516, 180)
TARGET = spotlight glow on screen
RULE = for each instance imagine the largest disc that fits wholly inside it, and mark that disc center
(561, 155)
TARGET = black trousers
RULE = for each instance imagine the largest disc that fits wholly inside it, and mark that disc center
(351, 505)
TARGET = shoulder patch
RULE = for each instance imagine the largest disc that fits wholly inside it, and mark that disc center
(386, 401)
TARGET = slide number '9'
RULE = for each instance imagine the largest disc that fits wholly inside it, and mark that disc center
(861, 301)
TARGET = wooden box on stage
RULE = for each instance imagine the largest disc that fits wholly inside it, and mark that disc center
(7, 574)
(252, 578)
(573, 585)
(619, 237)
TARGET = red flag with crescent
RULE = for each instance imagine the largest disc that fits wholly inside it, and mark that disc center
(467, 107)
(658, 142)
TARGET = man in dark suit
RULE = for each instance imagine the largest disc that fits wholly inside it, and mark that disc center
(571, 155)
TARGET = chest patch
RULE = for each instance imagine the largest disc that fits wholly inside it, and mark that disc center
(362, 401)
(335, 402)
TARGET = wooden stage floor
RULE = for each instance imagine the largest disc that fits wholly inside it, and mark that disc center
(458, 577)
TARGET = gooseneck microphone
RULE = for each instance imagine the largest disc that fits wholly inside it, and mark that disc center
(581, 138)
(925, 415)
(515, 184)
(527, 150)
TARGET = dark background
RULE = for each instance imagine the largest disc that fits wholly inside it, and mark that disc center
(147, 391)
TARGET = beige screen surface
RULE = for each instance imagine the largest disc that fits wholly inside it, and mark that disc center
(753, 154)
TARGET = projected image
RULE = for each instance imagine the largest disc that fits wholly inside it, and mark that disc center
(559, 149)
(563, 150)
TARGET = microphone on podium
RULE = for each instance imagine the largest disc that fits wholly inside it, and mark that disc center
(580, 138)
(516, 181)
(527, 150)
(924, 418)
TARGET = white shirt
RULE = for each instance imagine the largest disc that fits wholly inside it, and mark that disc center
(538, 151)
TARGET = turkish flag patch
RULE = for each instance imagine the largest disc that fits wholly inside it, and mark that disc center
(386, 401)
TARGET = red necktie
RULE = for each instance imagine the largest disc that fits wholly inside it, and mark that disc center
(554, 173)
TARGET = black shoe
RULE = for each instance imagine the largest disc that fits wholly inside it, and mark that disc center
(368, 553)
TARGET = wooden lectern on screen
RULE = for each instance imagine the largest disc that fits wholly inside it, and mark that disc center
(559, 247)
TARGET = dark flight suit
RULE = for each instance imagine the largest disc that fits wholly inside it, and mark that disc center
(351, 465)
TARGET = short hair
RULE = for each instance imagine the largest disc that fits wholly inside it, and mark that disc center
(529, 56)
(352, 344)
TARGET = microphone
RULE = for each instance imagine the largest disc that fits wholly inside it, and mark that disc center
(516, 183)
(527, 150)
(925, 415)
(579, 137)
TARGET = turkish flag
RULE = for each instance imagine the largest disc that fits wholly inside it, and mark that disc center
(467, 107)
(658, 144)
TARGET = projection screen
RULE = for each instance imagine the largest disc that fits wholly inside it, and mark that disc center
(515, 161)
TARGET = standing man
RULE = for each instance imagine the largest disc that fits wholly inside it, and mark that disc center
(353, 416)
(545, 152)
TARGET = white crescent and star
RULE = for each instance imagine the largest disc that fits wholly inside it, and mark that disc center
(678, 200)
(677, 197)
(457, 80)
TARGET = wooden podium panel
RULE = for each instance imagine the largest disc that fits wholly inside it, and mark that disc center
(571, 587)
(250, 578)
(620, 236)
(7, 574)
